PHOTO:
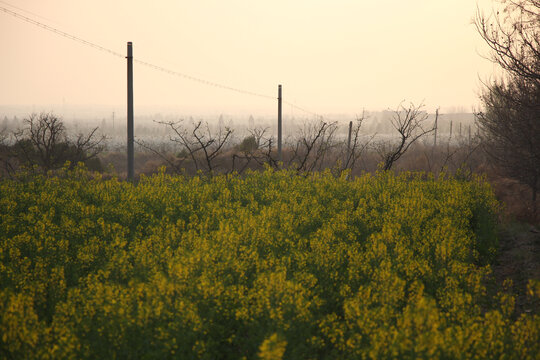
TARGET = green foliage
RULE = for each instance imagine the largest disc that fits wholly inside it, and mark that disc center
(270, 265)
(248, 144)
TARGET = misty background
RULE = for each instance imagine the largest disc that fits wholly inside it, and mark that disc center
(334, 58)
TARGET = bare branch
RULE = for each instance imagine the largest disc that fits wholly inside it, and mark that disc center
(408, 122)
(204, 145)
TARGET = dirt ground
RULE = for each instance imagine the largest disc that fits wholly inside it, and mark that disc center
(518, 259)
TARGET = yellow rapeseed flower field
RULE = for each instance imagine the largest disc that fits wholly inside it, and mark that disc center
(266, 265)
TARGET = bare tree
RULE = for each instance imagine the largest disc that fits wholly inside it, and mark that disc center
(174, 163)
(39, 140)
(203, 146)
(356, 147)
(87, 146)
(509, 122)
(409, 124)
(43, 141)
(510, 129)
(458, 154)
(513, 35)
(316, 141)
(258, 149)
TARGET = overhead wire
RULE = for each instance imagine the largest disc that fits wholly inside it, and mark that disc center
(25, 11)
(302, 109)
(141, 62)
(61, 33)
(117, 54)
(205, 82)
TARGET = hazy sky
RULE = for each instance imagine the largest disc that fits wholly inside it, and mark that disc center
(332, 56)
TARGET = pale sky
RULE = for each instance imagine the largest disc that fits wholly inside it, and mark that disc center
(332, 56)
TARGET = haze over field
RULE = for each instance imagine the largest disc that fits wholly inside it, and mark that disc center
(332, 57)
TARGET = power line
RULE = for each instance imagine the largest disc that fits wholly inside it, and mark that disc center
(144, 63)
(117, 54)
(302, 109)
(205, 82)
(25, 11)
(60, 32)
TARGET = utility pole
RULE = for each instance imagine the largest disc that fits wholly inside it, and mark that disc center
(349, 142)
(130, 135)
(280, 155)
(436, 118)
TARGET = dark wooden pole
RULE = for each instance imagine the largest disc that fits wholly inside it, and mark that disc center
(435, 132)
(130, 135)
(349, 142)
(280, 155)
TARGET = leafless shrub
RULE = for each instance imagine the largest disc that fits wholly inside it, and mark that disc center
(409, 124)
(203, 146)
(355, 146)
(257, 150)
(175, 163)
(315, 143)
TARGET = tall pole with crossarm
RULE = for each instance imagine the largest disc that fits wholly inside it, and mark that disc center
(130, 135)
(280, 156)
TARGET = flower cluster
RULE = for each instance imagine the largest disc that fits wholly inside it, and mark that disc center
(268, 265)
